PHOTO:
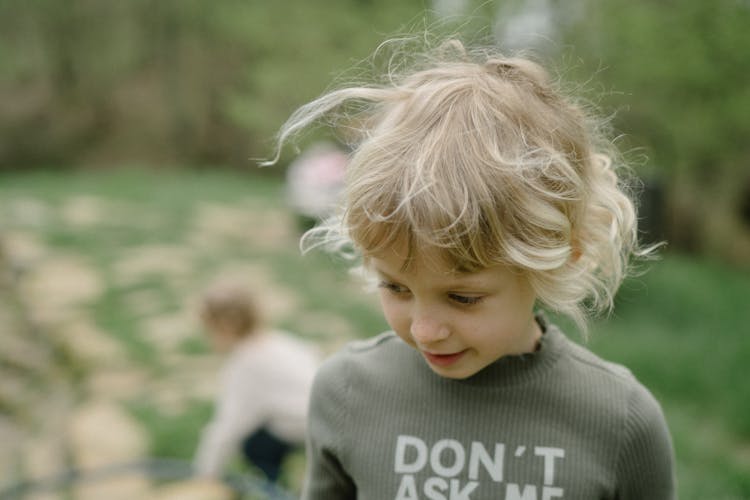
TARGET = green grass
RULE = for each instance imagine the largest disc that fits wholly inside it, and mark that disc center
(682, 327)
(110, 314)
(694, 319)
(172, 435)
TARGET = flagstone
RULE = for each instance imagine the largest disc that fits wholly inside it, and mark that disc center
(123, 487)
(167, 331)
(44, 457)
(46, 495)
(144, 302)
(214, 223)
(127, 487)
(101, 433)
(152, 260)
(22, 248)
(116, 385)
(84, 211)
(56, 288)
(88, 343)
(11, 438)
(18, 348)
(27, 211)
(193, 490)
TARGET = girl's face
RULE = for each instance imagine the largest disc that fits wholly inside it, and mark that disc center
(459, 322)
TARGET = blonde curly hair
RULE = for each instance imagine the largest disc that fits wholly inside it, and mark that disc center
(485, 158)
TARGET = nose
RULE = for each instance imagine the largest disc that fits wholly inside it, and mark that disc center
(426, 329)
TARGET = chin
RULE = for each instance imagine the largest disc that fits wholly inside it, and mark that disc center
(455, 374)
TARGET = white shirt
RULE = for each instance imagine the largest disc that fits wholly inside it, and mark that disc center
(266, 381)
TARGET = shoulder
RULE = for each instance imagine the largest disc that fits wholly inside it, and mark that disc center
(374, 346)
(613, 384)
(596, 365)
(601, 376)
(365, 365)
(350, 372)
(645, 457)
(361, 356)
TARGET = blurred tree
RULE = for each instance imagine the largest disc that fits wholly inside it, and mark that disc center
(170, 81)
(191, 82)
(679, 74)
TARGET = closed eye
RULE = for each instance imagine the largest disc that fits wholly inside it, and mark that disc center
(464, 299)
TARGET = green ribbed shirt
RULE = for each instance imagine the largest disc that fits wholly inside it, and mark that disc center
(560, 423)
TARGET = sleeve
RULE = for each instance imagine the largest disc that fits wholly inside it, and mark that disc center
(328, 428)
(645, 467)
(238, 412)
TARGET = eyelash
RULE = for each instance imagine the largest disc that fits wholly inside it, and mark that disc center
(462, 300)
(392, 287)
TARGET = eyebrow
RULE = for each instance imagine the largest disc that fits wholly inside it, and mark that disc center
(382, 273)
(467, 281)
(456, 279)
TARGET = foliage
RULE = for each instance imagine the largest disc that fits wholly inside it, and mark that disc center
(677, 73)
(209, 83)
(170, 81)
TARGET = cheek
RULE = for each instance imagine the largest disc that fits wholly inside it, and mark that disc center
(395, 312)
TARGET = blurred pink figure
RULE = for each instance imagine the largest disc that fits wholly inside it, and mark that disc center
(315, 181)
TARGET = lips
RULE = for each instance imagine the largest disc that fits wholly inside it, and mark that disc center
(443, 359)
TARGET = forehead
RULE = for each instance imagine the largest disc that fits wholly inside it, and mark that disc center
(432, 265)
(402, 246)
(403, 255)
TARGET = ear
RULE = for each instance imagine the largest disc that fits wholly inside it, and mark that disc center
(575, 249)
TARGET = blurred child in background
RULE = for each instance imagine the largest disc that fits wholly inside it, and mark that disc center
(265, 384)
(314, 182)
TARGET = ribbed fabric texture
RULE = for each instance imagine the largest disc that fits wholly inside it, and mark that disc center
(559, 423)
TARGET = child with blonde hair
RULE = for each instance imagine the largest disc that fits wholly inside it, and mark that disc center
(477, 192)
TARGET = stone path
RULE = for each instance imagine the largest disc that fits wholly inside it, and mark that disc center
(66, 379)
